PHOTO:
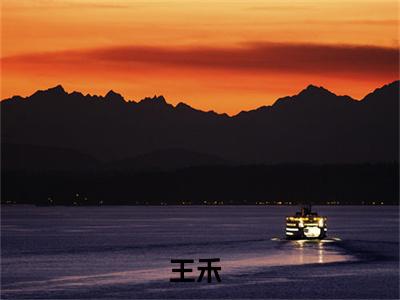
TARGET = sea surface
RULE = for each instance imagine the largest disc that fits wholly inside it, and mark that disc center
(125, 252)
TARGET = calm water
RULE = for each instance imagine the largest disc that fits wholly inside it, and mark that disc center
(125, 252)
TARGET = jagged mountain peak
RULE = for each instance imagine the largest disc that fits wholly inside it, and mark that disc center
(314, 97)
(115, 97)
(57, 90)
(184, 106)
(389, 89)
(154, 100)
(315, 91)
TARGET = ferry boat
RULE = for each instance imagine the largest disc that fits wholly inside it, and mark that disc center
(306, 224)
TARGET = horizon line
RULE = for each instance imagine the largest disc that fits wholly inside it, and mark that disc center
(111, 91)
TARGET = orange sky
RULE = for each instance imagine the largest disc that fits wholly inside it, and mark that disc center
(212, 54)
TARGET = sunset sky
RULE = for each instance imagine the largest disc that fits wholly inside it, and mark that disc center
(217, 55)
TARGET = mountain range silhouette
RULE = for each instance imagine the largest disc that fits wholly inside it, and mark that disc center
(56, 130)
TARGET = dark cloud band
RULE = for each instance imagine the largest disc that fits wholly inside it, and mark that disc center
(254, 57)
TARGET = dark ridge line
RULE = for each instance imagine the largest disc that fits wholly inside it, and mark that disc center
(111, 94)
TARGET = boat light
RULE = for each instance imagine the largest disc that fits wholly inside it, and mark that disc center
(292, 229)
(312, 232)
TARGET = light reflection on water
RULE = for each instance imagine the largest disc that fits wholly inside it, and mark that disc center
(291, 253)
